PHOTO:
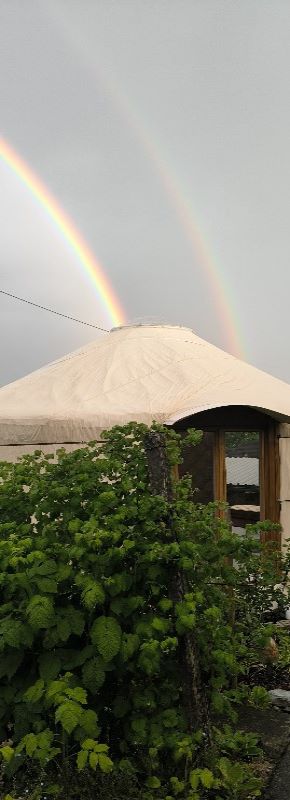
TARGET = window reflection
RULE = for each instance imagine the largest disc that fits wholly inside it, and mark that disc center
(242, 456)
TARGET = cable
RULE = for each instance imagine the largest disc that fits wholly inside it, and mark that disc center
(51, 311)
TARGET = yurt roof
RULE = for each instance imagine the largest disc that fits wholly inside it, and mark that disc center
(142, 373)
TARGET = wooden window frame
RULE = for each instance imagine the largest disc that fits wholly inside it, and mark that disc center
(269, 468)
(238, 418)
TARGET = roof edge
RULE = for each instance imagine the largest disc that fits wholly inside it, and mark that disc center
(191, 412)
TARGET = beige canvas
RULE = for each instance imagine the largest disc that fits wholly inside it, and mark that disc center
(284, 450)
(141, 373)
(285, 521)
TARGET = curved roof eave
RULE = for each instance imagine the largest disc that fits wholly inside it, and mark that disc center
(192, 411)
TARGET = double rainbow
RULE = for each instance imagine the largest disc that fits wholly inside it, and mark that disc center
(69, 232)
(179, 195)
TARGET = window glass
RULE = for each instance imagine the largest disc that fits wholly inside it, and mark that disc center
(242, 453)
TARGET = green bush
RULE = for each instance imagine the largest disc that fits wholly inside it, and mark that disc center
(93, 666)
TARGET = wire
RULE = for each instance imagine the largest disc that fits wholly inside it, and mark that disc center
(51, 311)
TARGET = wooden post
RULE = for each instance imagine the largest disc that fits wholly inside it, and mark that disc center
(269, 488)
(195, 697)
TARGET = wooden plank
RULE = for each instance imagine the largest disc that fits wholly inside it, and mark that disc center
(271, 485)
(220, 487)
(262, 476)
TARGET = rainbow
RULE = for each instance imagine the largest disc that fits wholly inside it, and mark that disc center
(181, 203)
(67, 229)
(176, 192)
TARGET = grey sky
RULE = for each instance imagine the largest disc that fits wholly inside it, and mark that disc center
(115, 105)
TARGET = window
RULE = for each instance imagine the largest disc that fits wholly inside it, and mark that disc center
(237, 461)
(242, 466)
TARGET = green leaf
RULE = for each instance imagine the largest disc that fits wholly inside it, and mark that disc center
(259, 697)
(75, 658)
(47, 585)
(105, 763)
(11, 630)
(119, 583)
(55, 689)
(225, 767)
(139, 727)
(160, 625)
(74, 525)
(40, 612)
(49, 666)
(45, 739)
(69, 715)
(186, 622)
(7, 753)
(35, 692)
(106, 634)
(89, 744)
(53, 790)
(30, 742)
(170, 718)
(153, 782)
(101, 748)
(93, 760)
(93, 674)
(47, 568)
(76, 620)
(89, 723)
(9, 664)
(149, 658)
(177, 785)
(125, 765)
(82, 759)
(126, 606)
(165, 604)
(63, 629)
(93, 594)
(129, 645)
(78, 693)
(207, 778)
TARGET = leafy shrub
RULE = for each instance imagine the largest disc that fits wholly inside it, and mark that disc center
(93, 625)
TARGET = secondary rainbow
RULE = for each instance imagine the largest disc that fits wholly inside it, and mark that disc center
(180, 201)
(69, 232)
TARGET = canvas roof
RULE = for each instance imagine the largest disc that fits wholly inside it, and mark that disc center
(142, 373)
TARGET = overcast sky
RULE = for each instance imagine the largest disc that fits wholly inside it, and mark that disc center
(162, 127)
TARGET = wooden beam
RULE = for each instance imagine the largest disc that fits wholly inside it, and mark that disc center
(219, 469)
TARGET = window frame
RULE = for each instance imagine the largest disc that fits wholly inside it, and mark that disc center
(243, 418)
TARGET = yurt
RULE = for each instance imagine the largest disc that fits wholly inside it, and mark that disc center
(168, 374)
